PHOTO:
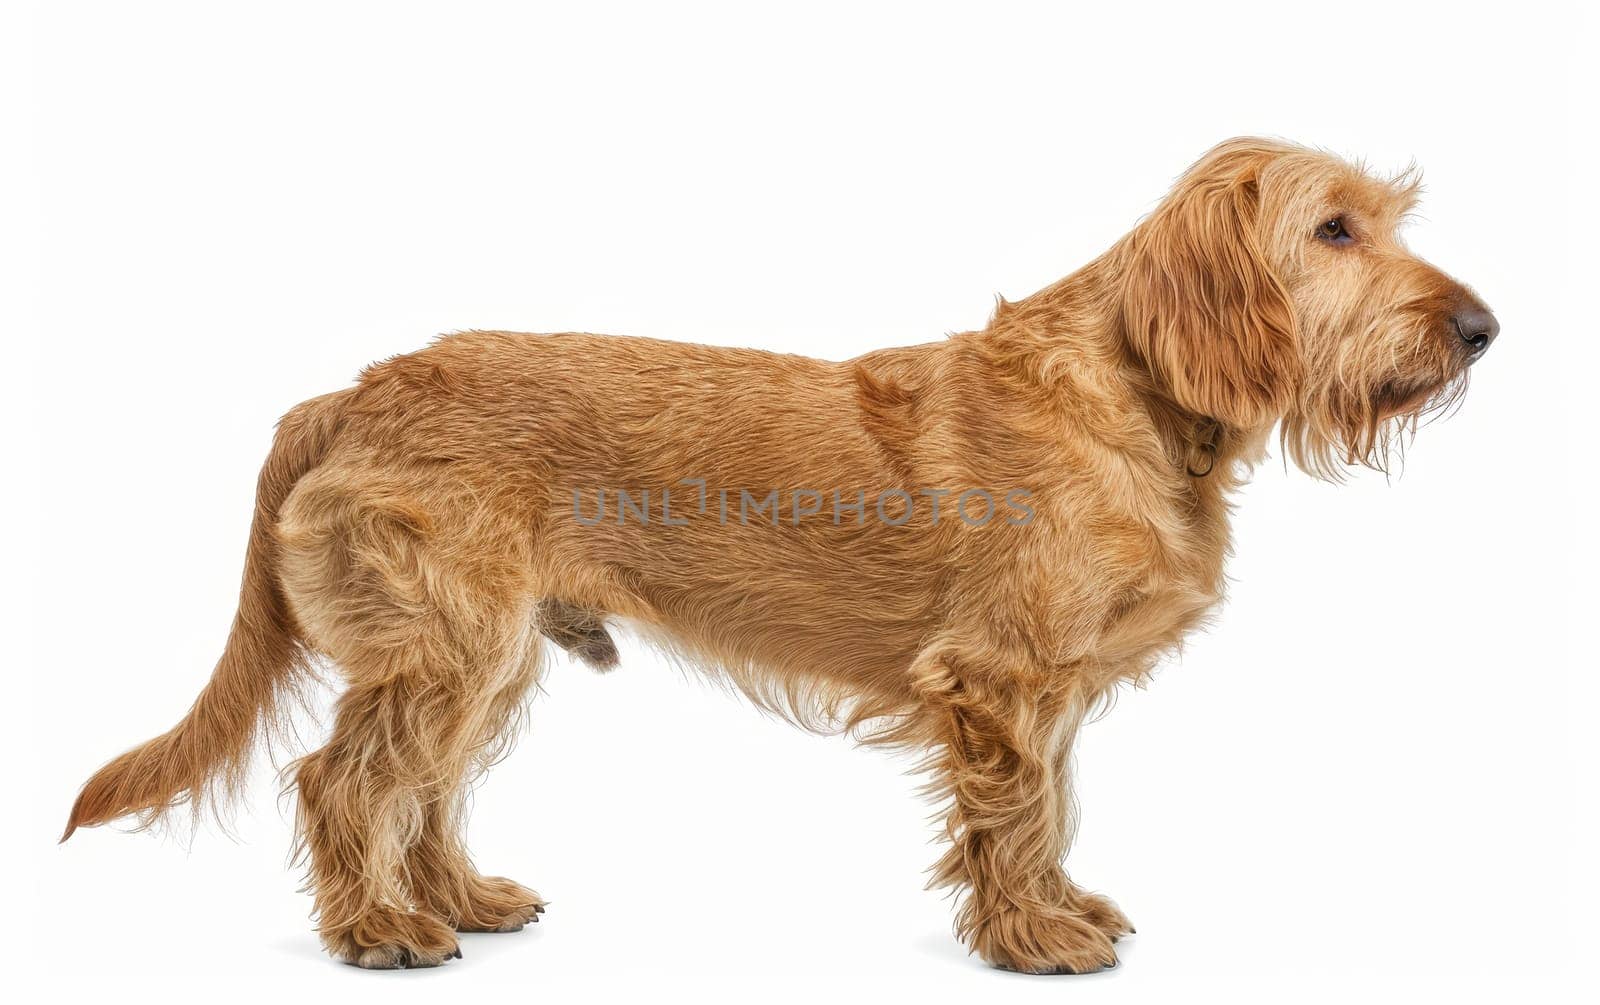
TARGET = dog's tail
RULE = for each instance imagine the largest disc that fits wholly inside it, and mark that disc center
(203, 758)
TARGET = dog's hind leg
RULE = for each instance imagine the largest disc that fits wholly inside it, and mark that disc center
(433, 633)
(441, 871)
(363, 799)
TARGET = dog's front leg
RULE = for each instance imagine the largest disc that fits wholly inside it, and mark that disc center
(1003, 742)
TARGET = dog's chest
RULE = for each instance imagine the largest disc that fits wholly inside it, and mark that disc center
(1130, 582)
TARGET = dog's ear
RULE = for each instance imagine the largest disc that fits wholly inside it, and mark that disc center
(1201, 307)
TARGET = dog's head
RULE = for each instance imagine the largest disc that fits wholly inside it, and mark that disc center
(1272, 285)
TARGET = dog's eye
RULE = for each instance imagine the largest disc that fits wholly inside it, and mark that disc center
(1333, 230)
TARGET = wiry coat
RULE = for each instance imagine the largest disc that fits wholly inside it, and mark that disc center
(424, 527)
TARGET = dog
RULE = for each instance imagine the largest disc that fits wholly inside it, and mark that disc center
(776, 520)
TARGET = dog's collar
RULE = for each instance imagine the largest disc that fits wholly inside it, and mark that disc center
(1202, 453)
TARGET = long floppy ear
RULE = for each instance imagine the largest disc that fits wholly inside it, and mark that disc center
(1201, 307)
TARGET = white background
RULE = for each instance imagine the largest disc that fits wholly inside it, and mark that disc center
(1373, 777)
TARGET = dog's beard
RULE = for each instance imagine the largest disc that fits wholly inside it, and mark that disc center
(1352, 422)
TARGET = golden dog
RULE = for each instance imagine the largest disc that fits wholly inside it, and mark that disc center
(961, 547)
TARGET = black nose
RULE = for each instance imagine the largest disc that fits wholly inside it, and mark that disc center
(1477, 328)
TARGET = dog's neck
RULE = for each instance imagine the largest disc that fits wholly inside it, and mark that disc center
(1070, 337)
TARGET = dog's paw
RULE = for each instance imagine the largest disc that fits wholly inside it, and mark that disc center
(393, 940)
(1052, 943)
(1103, 914)
(496, 904)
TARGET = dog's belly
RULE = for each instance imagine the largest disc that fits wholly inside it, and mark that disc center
(832, 603)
